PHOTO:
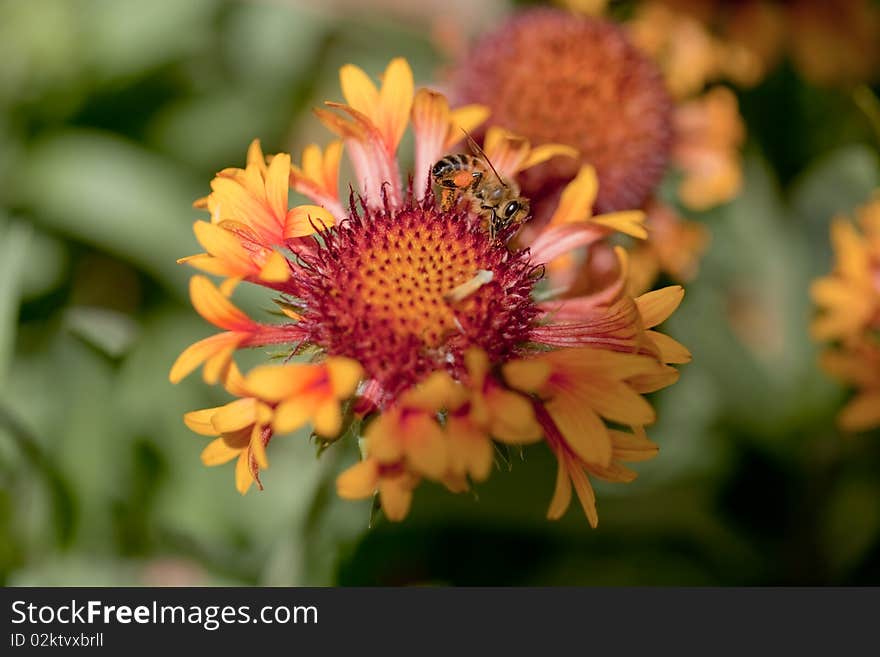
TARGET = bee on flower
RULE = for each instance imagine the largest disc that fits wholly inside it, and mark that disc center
(616, 94)
(432, 334)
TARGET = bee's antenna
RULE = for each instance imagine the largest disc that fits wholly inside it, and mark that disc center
(479, 151)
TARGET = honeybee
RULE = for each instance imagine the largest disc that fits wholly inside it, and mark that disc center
(497, 201)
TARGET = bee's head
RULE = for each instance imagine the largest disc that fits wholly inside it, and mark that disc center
(515, 211)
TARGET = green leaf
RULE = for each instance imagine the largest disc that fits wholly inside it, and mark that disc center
(14, 241)
(112, 194)
(110, 331)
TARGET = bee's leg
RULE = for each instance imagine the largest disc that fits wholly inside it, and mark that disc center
(447, 198)
(486, 212)
(476, 179)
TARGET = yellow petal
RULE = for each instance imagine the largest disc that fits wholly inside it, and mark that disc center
(470, 449)
(578, 197)
(222, 244)
(384, 437)
(545, 152)
(425, 446)
(198, 353)
(305, 220)
(662, 377)
(432, 394)
(275, 269)
(561, 494)
(255, 156)
(243, 476)
(396, 498)
(464, 119)
(581, 428)
(208, 264)
(396, 100)
(671, 351)
(292, 415)
(633, 446)
(330, 170)
(345, 374)
(218, 452)
(200, 421)
(585, 494)
(274, 383)
(277, 181)
(656, 307)
(477, 363)
(214, 307)
(358, 481)
(327, 418)
(257, 448)
(527, 375)
(513, 417)
(218, 364)
(615, 401)
(358, 90)
(628, 222)
(236, 202)
(862, 413)
(235, 415)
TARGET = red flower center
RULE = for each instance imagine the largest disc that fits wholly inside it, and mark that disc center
(378, 290)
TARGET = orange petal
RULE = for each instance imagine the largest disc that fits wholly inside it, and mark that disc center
(243, 476)
(656, 307)
(200, 421)
(545, 152)
(628, 222)
(358, 481)
(464, 119)
(277, 181)
(512, 417)
(218, 452)
(198, 353)
(862, 413)
(306, 220)
(396, 98)
(327, 418)
(275, 383)
(528, 375)
(345, 374)
(214, 307)
(292, 415)
(358, 89)
(276, 269)
(585, 494)
(396, 497)
(235, 415)
(576, 202)
(561, 494)
(425, 446)
(581, 427)
(671, 351)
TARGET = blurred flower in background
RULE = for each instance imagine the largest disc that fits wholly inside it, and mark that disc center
(615, 101)
(849, 314)
(113, 116)
(829, 42)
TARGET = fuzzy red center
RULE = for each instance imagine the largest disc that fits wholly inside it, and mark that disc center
(378, 290)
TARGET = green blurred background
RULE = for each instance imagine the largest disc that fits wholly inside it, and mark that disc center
(115, 114)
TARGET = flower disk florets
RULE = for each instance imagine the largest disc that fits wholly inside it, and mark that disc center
(380, 289)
